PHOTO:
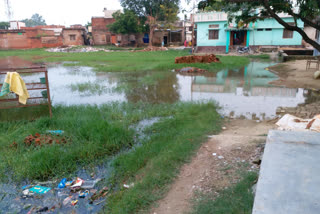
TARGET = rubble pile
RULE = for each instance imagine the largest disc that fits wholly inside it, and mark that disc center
(75, 49)
(153, 49)
(197, 59)
(303, 111)
(191, 70)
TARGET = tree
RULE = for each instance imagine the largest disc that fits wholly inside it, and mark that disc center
(35, 20)
(4, 25)
(127, 23)
(306, 10)
(159, 13)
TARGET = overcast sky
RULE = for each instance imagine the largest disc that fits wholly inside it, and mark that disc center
(63, 12)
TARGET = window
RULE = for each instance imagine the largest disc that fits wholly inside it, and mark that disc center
(213, 34)
(213, 26)
(287, 34)
(72, 37)
(260, 30)
(268, 29)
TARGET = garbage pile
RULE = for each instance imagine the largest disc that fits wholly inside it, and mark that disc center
(70, 194)
(75, 49)
(291, 123)
(197, 59)
(153, 49)
(191, 70)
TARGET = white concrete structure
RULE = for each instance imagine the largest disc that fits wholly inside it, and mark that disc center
(16, 25)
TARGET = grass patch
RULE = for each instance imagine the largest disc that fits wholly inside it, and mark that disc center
(100, 132)
(233, 200)
(89, 88)
(126, 60)
(155, 164)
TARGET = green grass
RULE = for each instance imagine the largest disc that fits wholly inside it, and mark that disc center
(126, 60)
(100, 132)
(155, 164)
(89, 88)
(237, 199)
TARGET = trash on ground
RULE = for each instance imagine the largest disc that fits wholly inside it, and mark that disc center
(62, 183)
(292, 123)
(74, 49)
(45, 209)
(58, 132)
(90, 184)
(78, 183)
(220, 157)
(40, 189)
(191, 70)
(197, 59)
(152, 49)
(73, 203)
(214, 154)
(316, 75)
(128, 186)
(83, 194)
(67, 200)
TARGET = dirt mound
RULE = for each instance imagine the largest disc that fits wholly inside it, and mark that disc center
(153, 49)
(197, 59)
(191, 70)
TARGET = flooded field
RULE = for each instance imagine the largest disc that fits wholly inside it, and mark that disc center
(243, 92)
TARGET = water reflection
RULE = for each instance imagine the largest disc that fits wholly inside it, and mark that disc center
(242, 92)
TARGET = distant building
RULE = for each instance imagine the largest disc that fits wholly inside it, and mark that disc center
(46, 36)
(16, 25)
(215, 33)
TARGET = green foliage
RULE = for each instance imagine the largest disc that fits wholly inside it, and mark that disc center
(35, 20)
(127, 23)
(234, 200)
(4, 25)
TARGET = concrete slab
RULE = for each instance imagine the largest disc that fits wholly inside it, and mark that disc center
(289, 181)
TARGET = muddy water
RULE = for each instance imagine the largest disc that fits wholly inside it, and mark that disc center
(242, 92)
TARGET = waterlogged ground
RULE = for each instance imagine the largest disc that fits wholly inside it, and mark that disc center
(243, 92)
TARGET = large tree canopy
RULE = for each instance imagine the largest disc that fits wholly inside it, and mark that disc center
(158, 12)
(306, 10)
(4, 25)
(35, 20)
(127, 23)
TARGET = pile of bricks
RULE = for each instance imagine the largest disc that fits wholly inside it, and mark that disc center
(197, 59)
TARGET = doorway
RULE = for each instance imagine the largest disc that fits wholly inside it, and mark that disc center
(238, 38)
(165, 40)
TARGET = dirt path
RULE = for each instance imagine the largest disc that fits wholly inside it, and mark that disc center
(215, 165)
(293, 74)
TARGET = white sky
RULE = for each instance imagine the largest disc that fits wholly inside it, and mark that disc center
(63, 12)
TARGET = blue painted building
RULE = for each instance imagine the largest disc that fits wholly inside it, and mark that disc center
(214, 33)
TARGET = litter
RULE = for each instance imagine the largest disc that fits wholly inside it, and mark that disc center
(83, 194)
(45, 209)
(78, 183)
(60, 132)
(69, 183)
(40, 189)
(292, 123)
(66, 200)
(214, 154)
(73, 203)
(90, 184)
(128, 186)
(101, 193)
(62, 183)
(220, 157)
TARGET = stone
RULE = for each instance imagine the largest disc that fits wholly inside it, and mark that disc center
(316, 75)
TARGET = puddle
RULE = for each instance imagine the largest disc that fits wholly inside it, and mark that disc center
(243, 92)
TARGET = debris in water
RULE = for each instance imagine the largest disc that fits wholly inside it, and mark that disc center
(73, 203)
(78, 183)
(66, 200)
(40, 189)
(101, 193)
(44, 209)
(83, 194)
(62, 183)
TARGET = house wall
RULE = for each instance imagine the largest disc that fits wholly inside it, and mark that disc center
(274, 37)
(256, 38)
(78, 34)
(100, 30)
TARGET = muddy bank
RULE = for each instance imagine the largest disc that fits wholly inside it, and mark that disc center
(293, 74)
